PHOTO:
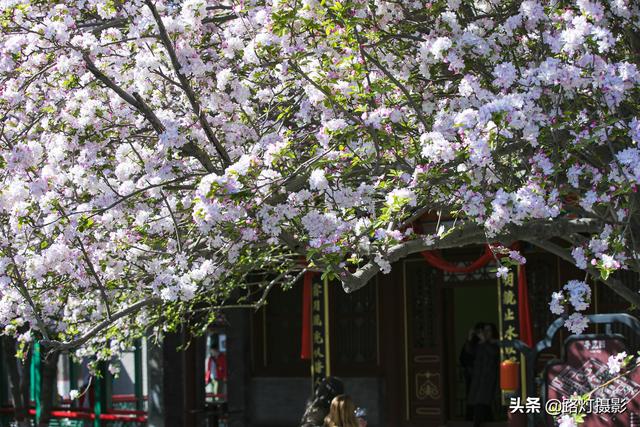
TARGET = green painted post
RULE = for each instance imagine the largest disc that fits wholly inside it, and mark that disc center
(108, 389)
(32, 391)
(98, 388)
(137, 370)
(36, 379)
(102, 394)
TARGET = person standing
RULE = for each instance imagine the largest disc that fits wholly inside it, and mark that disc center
(484, 380)
(216, 373)
(467, 359)
(318, 406)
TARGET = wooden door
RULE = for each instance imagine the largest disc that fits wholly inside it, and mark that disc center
(423, 344)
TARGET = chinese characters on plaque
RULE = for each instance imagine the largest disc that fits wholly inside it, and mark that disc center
(319, 331)
(509, 326)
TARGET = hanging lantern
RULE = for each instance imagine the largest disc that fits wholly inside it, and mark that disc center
(509, 376)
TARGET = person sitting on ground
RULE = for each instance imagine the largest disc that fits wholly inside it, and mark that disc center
(342, 413)
(318, 406)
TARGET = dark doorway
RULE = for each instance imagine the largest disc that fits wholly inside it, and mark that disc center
(468, 304)
(426, 316)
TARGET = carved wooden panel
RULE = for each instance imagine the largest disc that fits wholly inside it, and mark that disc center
(355, 331)
(542, 281)
(276, 332)
(425, 376)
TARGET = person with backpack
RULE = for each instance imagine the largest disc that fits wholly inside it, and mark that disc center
(318, 406)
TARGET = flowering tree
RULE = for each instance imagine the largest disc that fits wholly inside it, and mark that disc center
(160, 158)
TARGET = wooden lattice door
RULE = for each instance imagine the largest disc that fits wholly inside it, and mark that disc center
(424, 373)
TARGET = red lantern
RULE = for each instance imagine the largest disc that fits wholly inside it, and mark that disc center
(509, 375)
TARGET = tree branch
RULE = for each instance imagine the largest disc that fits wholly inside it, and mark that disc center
(67, 345)
(117, 202)
(22, 288)
(400, 86)
(186, 86)
(108, 82)
(173, 218)
(136, 101)
(219, 19)
(467, 234)
(616, 285)
(134, 308)
(25, 293)
(92, 271)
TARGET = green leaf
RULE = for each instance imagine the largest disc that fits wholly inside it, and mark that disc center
(85, 223)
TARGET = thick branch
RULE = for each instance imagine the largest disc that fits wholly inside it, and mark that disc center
(468, 234)
(136, 101)
(108, 82)
(98, 26)
(67, 345)
(220, 19)
(616, 285)
(149, 114)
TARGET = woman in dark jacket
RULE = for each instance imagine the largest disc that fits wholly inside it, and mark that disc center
(318, 406)
(483, 389)
(467, 359)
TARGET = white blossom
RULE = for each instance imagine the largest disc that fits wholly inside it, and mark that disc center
(317, 180)
(576, 323)
(615, 362)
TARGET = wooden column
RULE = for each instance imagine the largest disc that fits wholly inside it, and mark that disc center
(137, 370)
(239, 365)
(390, 344)
(194, 388)
(175, 381)
(165, 373)
(173, 376)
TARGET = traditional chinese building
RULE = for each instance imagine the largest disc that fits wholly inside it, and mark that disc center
(396, 342)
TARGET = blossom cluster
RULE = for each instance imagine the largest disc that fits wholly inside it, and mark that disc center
(172, 154)
(616, 362)
(576, 294)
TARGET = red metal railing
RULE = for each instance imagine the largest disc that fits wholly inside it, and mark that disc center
(121, 415)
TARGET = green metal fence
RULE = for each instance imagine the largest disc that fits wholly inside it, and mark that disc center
(103, 412)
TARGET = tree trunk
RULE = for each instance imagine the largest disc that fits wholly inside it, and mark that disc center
(25, 390)
(17, 381)
(48, 371)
